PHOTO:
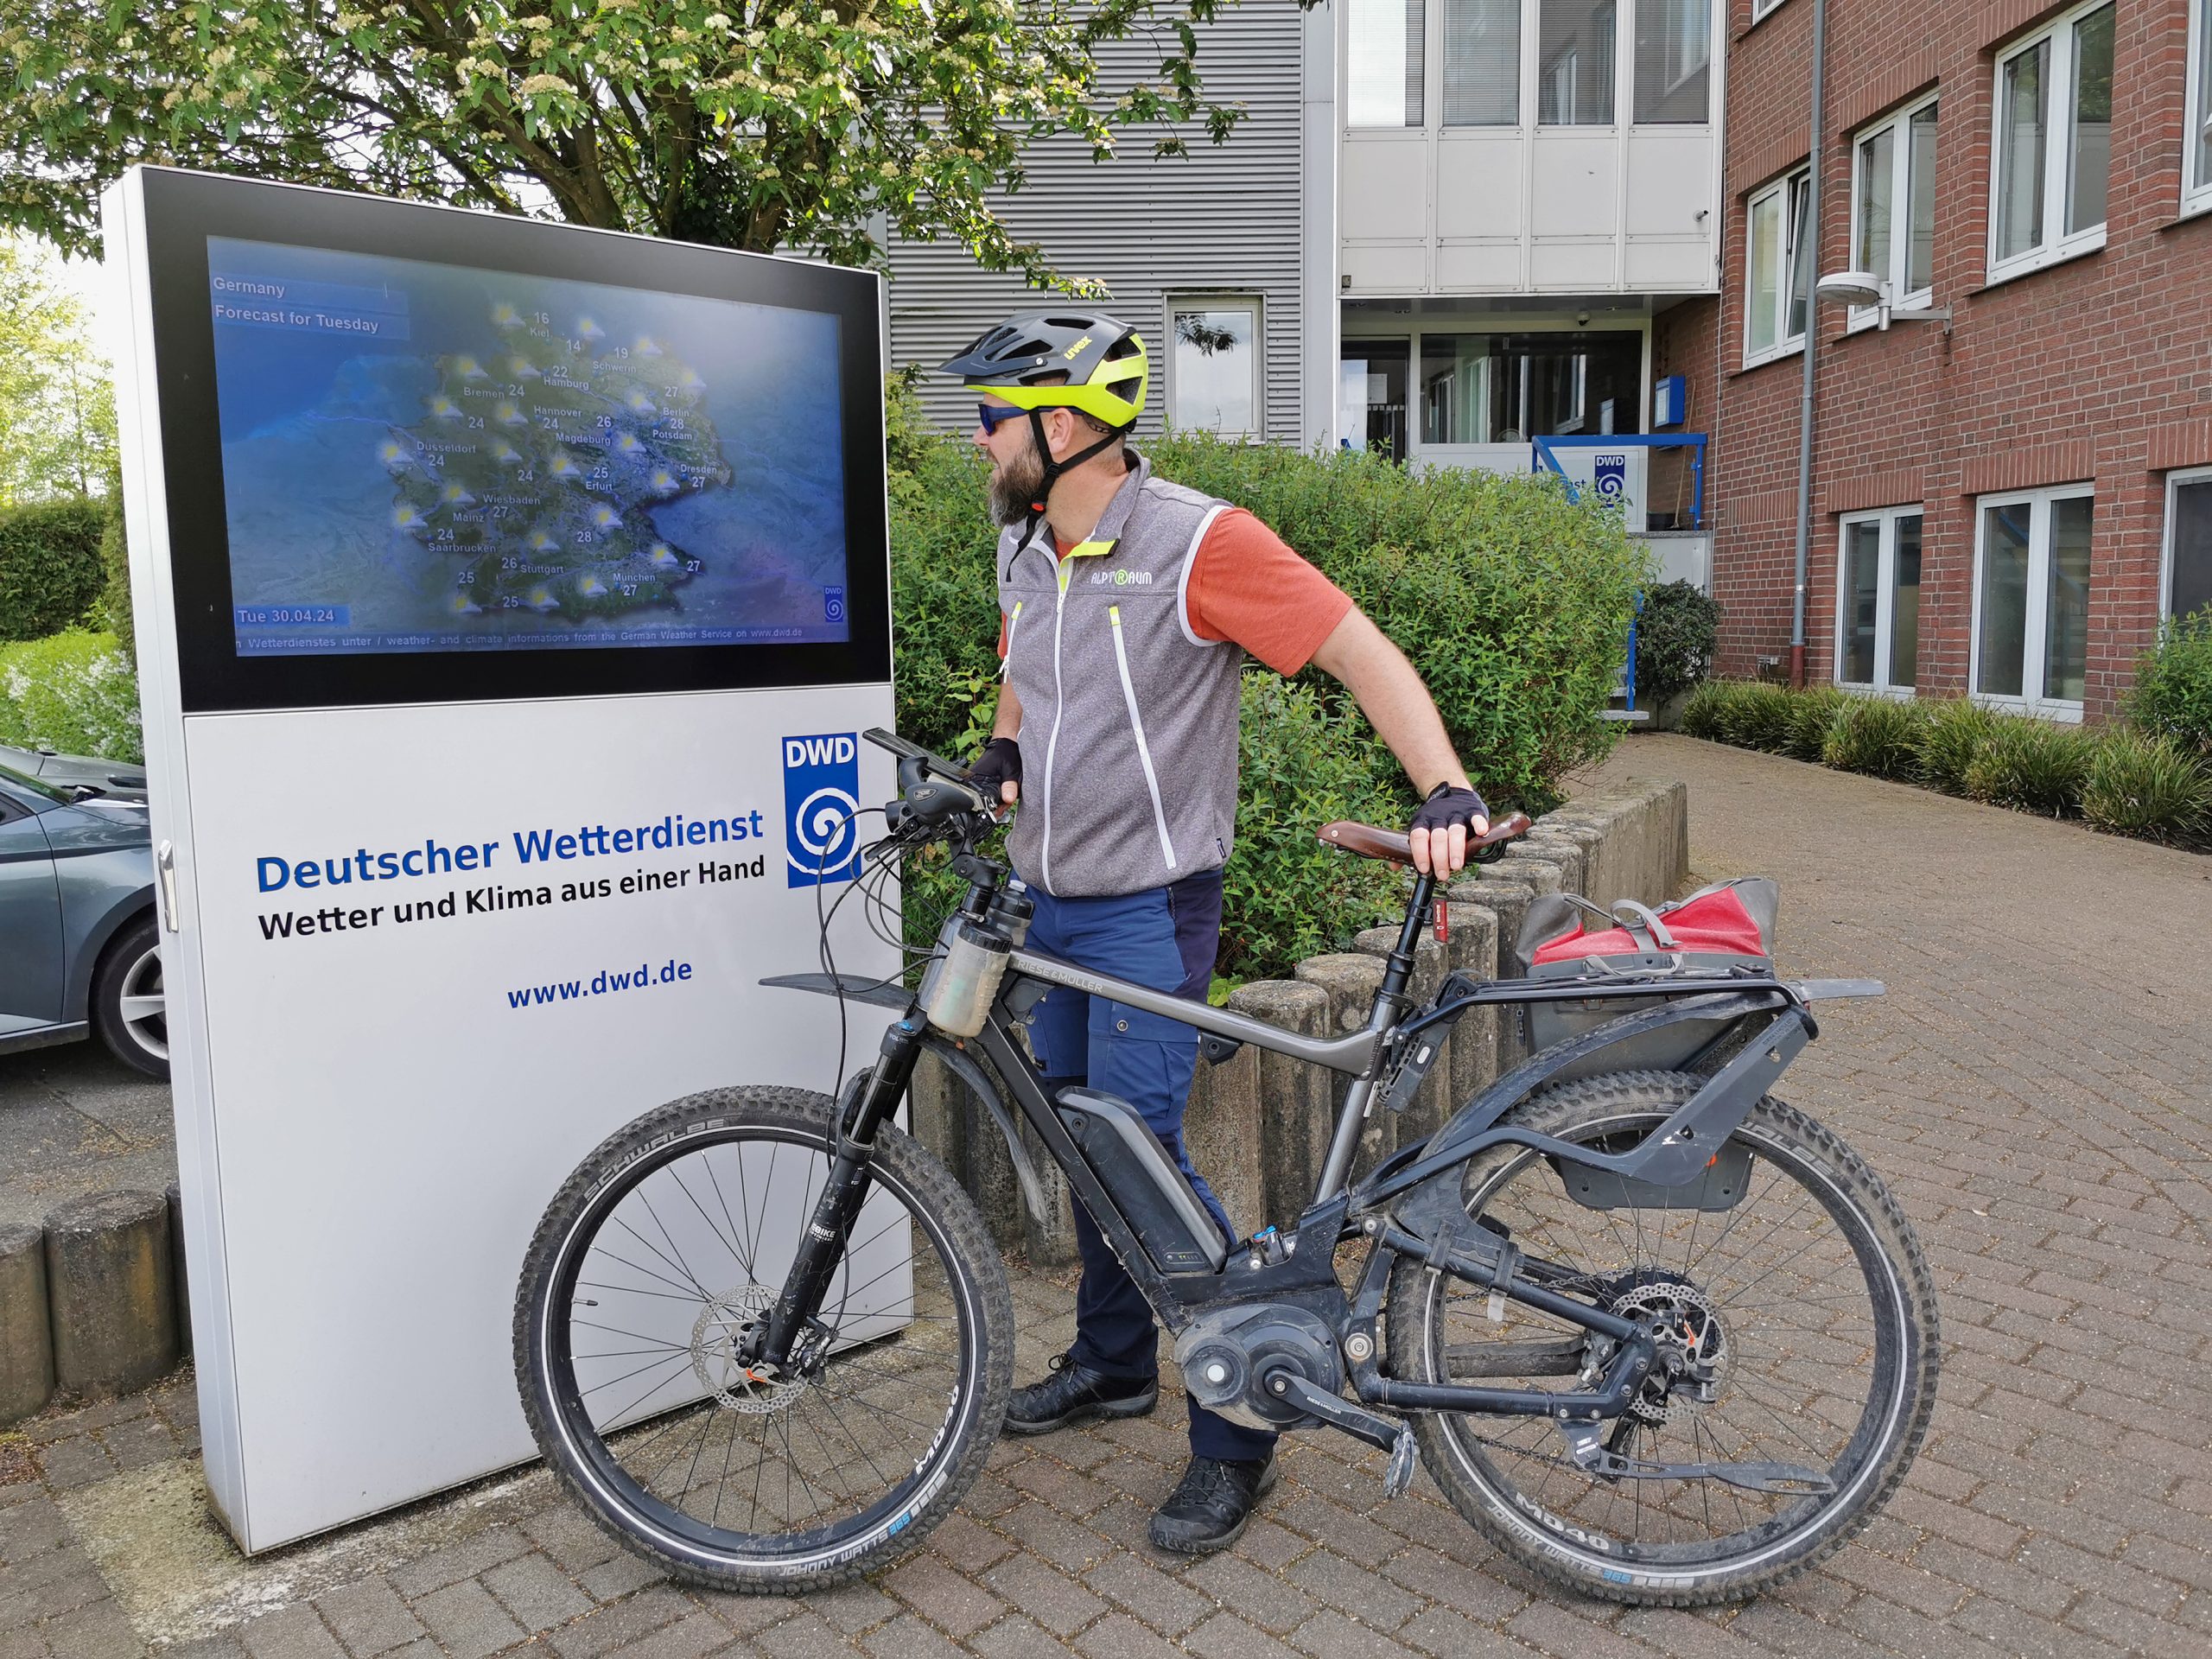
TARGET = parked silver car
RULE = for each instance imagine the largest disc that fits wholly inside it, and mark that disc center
(117, 780)
(79, 942)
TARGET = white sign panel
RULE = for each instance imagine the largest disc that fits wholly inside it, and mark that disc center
(510, 600)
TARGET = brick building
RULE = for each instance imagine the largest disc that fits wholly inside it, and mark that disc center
(2007, 507)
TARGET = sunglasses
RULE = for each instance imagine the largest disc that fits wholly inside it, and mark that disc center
(992, 416)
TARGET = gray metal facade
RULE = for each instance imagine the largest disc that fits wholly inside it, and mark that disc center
(1224, 220)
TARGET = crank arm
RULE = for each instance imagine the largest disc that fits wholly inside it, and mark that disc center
(1586, 1446)
(1396, 1439)
(1337, 1411)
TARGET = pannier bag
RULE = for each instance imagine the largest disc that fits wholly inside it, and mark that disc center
(1716, 930)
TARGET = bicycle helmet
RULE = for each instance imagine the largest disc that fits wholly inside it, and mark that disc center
(1098, 365)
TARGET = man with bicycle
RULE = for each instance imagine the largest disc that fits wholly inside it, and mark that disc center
(1127, 607)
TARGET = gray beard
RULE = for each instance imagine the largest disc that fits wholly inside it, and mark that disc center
(1014, 485)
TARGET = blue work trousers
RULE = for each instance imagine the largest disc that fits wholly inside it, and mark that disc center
(1165, 937)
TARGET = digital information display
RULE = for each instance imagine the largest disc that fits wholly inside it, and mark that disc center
(427, 457)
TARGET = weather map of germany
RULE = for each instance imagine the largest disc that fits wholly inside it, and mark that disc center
(427, 457)
(536, 460)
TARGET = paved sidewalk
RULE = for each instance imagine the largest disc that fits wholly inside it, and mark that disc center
(2036, 1086)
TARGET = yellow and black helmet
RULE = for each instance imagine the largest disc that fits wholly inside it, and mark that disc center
(1101, 358)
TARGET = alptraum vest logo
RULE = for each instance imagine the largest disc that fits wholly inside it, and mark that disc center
(1121, 578)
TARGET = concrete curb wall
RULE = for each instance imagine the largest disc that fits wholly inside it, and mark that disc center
(1259, 1124)
(91, 1302)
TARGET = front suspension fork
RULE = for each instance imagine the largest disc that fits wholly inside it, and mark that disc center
(822, 1240)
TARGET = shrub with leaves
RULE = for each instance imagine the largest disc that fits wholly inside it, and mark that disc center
(73, 692)
(1956, 730)
(1675, 634)
(1710, 710)
(50, 569)
(1762, 716)
(1285, 895)
(2144, 783)
(1511, 600)
(2034, 765)
(2172, 695)
(1813, 713)
(1877, 735)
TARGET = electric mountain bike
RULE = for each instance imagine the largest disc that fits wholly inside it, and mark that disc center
(1659, 1337)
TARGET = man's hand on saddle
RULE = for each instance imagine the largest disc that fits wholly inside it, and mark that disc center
(1452, 817)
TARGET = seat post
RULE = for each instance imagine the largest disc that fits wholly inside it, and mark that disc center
(1398, 970)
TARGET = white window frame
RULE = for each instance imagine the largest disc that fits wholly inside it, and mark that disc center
(1902, 299)
(1760, 7)
(2035, 641)
(2195, 164)
(1885, 591)
(1785, 344)
(2056, 246)
(1211, 300)
(2176, 482)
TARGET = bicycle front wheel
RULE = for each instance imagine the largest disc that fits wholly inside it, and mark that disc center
(656, 1261)
(1801, 1319)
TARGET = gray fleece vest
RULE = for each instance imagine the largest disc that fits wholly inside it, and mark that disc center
(1128, 719)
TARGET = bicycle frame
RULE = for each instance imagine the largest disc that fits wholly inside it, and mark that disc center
(1406, 1205)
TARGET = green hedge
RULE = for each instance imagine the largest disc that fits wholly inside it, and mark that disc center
(74, 692)
(2172, 695)
(2121, 779)
(1512, 601)
(50, 571)
(1677, 632)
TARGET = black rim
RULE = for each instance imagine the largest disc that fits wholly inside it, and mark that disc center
(879, 1454)
(1808, 1298)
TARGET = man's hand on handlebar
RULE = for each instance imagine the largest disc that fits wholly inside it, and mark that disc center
(1448, 819)
(997, 772)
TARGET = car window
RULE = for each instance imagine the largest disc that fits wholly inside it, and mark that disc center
(30, 785)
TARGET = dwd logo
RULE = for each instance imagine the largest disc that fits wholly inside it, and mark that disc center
(1610, 479)
(822, 781)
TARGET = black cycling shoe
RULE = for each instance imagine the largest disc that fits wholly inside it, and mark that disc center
(1074, 1395)
(1213, 1504)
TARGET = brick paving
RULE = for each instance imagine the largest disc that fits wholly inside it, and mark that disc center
(2035, 1086)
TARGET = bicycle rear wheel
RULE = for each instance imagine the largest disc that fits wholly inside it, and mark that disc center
(1807, 1317)
(658, 1256)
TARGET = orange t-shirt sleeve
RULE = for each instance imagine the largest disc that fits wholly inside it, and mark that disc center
(1247, 586)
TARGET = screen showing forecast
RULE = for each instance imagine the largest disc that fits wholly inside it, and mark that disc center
(423, 457)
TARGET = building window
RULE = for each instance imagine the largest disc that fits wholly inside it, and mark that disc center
(1574, 64)
(2196, 146)
(1893, 208)
(1878, 601)
(1214, 380)
(1482, 63)
(1760, 7)
(1384, 63)
(1371, 395)
(1510, 387)
(1779, 279)
(2052, 154)
(2031, 599)
(2188, 584)
(1674, 54)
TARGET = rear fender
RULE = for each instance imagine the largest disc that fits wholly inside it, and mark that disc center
(1666, 1157)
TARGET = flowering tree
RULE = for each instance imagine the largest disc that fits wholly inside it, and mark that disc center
(57, 408)
(746, 123)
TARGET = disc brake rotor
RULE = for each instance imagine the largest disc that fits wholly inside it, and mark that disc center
(718, 1342)
(1694, 1350)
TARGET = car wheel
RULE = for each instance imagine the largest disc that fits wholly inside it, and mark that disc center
(129, 1009)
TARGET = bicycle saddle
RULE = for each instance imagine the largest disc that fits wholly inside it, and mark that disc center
(1371, 842)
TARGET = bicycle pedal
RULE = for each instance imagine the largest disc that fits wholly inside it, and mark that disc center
(1398, 1479)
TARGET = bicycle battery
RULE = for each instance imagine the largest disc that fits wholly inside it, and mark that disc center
(1175, 1229)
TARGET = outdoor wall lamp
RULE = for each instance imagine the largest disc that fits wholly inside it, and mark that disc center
(1863, 288)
